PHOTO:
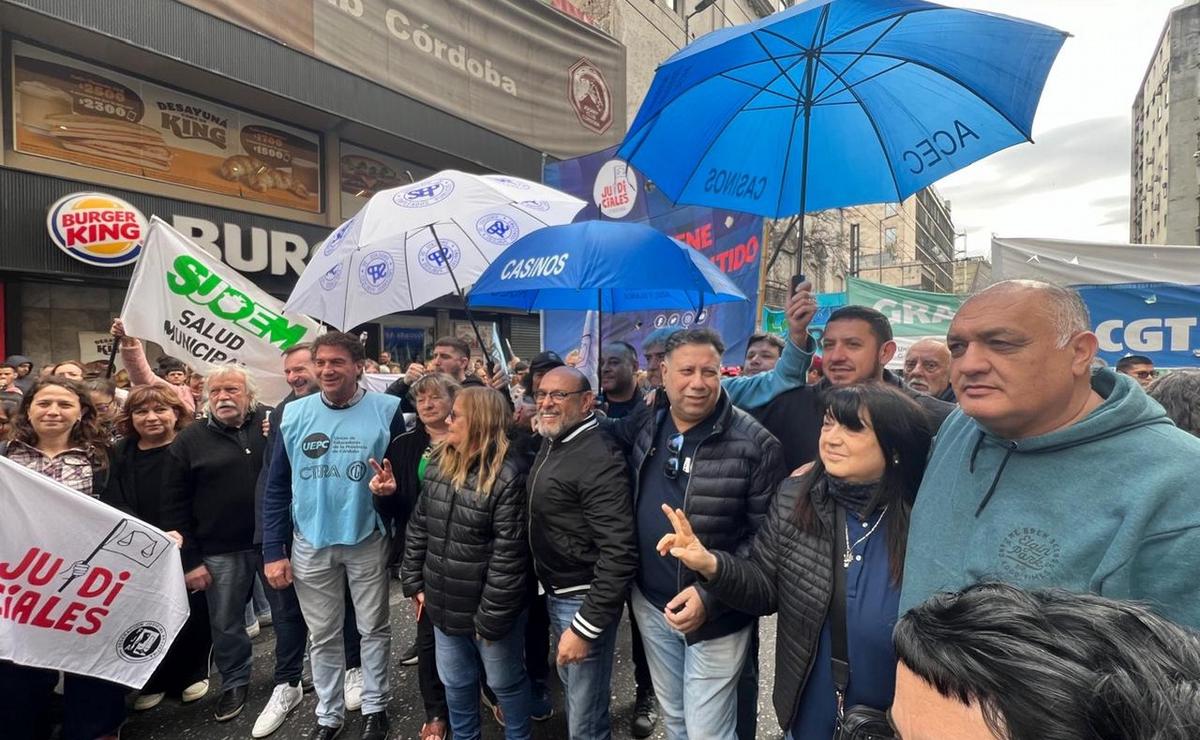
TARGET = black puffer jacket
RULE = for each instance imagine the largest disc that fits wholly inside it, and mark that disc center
(734, 473)
(788, 571)
(468, 552)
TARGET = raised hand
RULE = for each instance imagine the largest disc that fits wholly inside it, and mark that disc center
(800, 309)
(414, 373)
(383, 483)
(685, 546)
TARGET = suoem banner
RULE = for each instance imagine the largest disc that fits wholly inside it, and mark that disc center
(521, 69)
(1143, 299)
(202, 312)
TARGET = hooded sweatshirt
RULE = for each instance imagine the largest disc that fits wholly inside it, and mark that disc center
(26, 382)
(1108, 505)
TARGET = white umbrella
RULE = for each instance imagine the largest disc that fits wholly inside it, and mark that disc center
(413, 244)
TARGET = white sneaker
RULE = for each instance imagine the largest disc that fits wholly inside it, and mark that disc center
(353, 689)
(253, 629)
(283, 700)
(195, 692)
(147, 701)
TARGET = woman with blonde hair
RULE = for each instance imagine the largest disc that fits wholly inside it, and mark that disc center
(466, 559)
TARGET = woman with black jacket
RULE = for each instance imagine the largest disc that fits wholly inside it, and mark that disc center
(397, 486)
(466, 560)
(152, 416)
(57, 432)
(872, 452)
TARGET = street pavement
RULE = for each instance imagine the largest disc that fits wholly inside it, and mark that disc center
(171, 720)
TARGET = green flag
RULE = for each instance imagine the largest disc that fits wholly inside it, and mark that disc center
(913, 313)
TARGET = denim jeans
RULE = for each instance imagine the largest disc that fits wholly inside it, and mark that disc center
(696, 684)
(233, 577)
(321, 577)
(504, 663)
(587, 685)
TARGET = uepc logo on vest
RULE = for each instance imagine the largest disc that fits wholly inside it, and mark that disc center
(97, 229)
(315, 445)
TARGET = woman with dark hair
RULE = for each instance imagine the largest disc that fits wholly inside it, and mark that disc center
(397, 486)
(153, 415)
(466, 559)
(8, 412)
(849, 512)
(57, 433)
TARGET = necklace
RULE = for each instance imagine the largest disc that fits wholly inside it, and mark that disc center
(848, 557)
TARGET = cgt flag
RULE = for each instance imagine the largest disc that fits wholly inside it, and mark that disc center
(84, 588)
(203, 312)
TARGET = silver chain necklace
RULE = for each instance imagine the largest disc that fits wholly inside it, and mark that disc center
(848, 557)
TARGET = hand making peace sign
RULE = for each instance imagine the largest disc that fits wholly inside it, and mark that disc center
(685, 546)
(383, 483)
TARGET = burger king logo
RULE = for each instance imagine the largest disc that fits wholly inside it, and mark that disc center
(97, 229)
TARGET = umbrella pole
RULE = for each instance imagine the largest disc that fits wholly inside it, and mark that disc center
(599, 341)
(491, 364)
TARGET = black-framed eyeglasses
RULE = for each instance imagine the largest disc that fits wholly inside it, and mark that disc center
(674, 465)
(556, 396)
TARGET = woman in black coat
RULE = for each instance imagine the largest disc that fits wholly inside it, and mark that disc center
(873, 447)
(153, 415)
(466, 562)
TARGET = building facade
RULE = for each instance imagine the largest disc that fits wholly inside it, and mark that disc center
(1164, 203)
(256, 126)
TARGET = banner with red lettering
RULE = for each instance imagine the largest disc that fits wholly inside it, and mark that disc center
(84, 588)
(615, 191)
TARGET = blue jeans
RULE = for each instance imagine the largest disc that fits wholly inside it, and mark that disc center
(503, 662)
(696, 684)
(587, 685)
(233, 577)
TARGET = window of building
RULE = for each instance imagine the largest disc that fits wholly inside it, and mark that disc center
(889, 210)
(889, 238)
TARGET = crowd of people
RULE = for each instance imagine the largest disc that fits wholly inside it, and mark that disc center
(1000, 543)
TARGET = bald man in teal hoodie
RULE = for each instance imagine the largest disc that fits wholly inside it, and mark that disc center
(1053, 474)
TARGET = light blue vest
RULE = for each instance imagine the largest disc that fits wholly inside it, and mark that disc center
(328, 450)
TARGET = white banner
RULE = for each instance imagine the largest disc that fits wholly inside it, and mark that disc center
(86, 589)
(1093, 263)
(206, 314)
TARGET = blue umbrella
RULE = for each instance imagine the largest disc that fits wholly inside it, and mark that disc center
(837, 103)
(609, 266)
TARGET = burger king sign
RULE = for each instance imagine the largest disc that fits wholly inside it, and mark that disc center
(97, 229)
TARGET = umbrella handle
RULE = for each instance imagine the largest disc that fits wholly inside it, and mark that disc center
(491, 364)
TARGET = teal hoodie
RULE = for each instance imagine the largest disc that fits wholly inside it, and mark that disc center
(1109, 505)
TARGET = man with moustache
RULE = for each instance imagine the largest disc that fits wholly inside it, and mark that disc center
(857, 346)
(1053, 474)
(581, 537)
(208, 497)
(317, 499)
(927, 369)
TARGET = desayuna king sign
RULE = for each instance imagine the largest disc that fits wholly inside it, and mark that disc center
(207, 315)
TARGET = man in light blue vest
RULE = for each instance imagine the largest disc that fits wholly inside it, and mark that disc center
(317, 497)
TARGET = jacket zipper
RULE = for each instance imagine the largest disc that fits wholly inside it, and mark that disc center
(687, 489)
(529, 507)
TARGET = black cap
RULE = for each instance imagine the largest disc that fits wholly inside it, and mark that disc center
(545, 362)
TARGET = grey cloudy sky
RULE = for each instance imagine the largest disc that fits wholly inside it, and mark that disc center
(1073, 182)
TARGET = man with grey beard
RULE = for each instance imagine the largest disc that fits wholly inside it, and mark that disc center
(208, 492)
(581, 536)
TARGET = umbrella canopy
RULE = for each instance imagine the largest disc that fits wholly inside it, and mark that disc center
(413, 244)
(838, 102)
(611, 266)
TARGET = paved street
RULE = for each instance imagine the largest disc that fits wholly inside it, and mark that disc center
(173, 721)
